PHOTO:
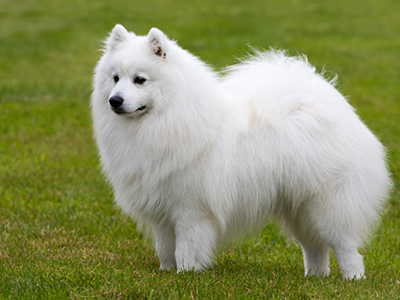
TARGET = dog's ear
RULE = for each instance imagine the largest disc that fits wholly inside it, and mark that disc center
(158, 42)
(118, 35)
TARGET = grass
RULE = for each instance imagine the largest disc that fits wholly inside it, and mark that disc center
(61, 236)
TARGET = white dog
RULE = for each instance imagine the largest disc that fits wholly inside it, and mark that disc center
(200, 157)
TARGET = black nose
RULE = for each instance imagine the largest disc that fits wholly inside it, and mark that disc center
(116, 101)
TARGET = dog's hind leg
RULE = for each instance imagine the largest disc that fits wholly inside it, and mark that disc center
(301, 225)
(164, 235)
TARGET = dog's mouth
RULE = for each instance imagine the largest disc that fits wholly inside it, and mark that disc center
(141, 108)
(118, 111)
(139, 111)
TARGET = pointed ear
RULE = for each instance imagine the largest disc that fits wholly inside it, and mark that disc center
(158, 42)
(118, 35)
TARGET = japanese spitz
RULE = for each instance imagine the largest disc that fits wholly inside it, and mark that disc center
(201, 157)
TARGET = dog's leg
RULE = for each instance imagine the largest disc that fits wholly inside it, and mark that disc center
(195, 242)
(316, 260)
(311, 238)
(350, 261)
(164, 235)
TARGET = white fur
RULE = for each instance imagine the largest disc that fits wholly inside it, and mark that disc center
(214, 156)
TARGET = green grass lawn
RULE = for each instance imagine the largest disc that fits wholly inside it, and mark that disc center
(61, 237)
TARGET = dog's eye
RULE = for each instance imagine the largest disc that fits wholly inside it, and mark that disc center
(116, 78)
(139, 80)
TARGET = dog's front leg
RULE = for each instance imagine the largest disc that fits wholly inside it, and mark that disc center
(195, 241)
(164, 235)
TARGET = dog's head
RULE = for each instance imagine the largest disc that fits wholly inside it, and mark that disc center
(135, 72)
